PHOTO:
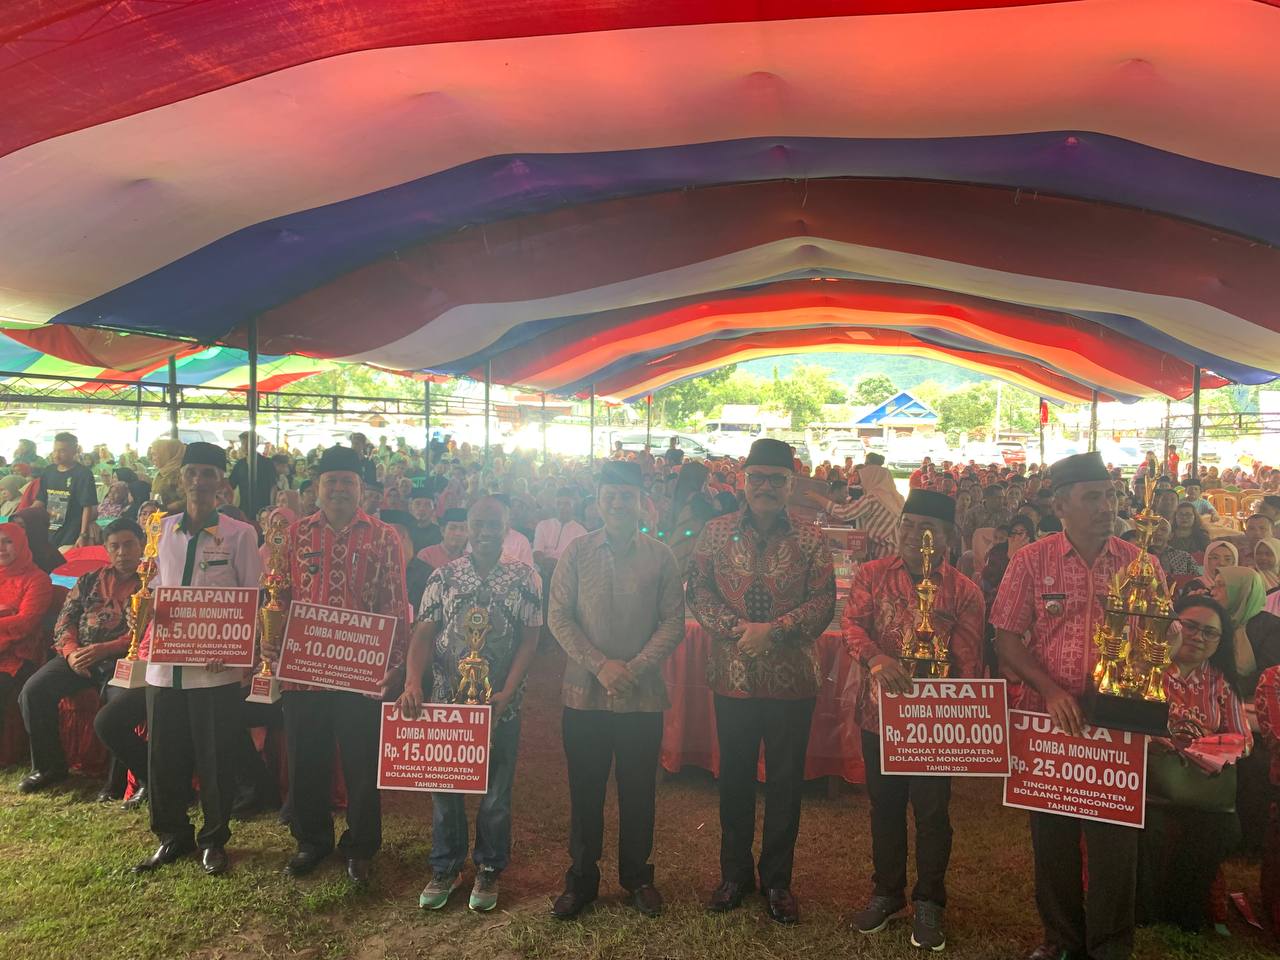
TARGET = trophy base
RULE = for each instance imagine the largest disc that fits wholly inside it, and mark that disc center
(263, 689)
(926, 669)
(1127, 713)
(129, 674)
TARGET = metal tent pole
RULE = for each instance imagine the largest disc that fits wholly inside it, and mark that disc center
(488, 382)
(173, 397)
(593, 426)
(254, 506)
(426, 420)
(1195, 423)
(544, 429)
(137, 423)
(1093, 422)
(1040, 417)
(648, 424)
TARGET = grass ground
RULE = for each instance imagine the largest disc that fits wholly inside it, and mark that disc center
(66, 890)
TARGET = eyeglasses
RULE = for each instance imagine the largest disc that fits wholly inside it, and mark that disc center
(775, 480)
(1212, 634)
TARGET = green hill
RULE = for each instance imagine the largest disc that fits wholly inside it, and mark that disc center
(905, 372)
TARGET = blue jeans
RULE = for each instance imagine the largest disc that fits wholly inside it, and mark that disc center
(449, 833)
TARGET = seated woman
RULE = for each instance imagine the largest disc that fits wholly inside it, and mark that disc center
(25, 593)
(91, 634)
(1189, 533)
(35, 522)
(1174, 562)
(1218, 554)
(1191, 819)
(1266, 560)
(115, 502)
(1257, 633)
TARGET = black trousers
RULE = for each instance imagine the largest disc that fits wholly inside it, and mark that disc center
(1098, 925)
(116, 726)
(39, 701)
(10, 687)
(783, 726)
(930, 798)
(1179, 854)
(594, 741)
(314, 722)
(193, 731)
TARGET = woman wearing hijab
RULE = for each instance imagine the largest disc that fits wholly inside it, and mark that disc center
(688, 513)
(11, 493)
(166, 458)
(25, 592)
(1266, 560)
(1218, 554)
(877, 511)
(115, 502)
(35, 521)
(1256, 642)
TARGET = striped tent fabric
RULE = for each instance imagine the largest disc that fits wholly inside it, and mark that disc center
(1073, 196)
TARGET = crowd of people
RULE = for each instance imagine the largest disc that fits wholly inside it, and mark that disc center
(607, 557)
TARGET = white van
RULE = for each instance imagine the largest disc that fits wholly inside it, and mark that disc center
(732, 438)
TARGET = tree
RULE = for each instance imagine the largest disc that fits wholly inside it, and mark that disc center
(966, 411)
(873, 390)
(803, 393)
(677, 404)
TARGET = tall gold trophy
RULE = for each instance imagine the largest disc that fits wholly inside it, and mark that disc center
(131, 672)
(473, 669)
(1133, 647)
(924, 655)
(264, 687)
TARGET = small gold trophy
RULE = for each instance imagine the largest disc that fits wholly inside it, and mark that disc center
(925, 654)
(263, 687)
(473, 669)
(1132, 641)
(131, 672)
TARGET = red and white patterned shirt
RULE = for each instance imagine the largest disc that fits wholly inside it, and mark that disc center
(1202, 704)
(1266, 701)
(360, 567)
(1051, 599)
(882, 613)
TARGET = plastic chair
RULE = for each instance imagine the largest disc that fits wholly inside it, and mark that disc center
(1227, 506)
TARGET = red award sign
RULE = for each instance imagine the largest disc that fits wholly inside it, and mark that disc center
(445, 750)
(336, 648)
(951, 728)
(194, 625)
(1099, 776)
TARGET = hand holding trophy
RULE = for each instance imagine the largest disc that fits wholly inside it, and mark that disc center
(131, 672)
(924, 655)
(264, 687)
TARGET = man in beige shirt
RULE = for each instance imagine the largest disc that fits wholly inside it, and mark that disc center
(617, 608)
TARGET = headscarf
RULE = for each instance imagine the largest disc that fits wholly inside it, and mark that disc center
(1246, 593)
(11, 490)
(166, 457)
(111, 508)
(264, 551)
(1270, 575)
(23, 562)
(35, 523)
(878, 482)
(1235, 554)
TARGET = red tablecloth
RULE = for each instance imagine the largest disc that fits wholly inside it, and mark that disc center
(689, 729)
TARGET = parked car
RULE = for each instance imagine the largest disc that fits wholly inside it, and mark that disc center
(660, 440)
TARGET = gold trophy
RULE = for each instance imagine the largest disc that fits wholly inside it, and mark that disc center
(473, 669)
(1132, 641)
(264, 687)
(925, 654)
(131, 672)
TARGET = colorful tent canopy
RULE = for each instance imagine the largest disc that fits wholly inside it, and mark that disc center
(1082, 189)
(213, 368)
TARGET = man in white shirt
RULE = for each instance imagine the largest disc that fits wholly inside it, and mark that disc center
(551, 536)
(193, 713)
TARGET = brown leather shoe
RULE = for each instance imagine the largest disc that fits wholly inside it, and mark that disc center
(647, 900)
(783, 907)
(570, 903)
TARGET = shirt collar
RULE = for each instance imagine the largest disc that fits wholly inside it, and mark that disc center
(318, 519)
(1065, 546)
(783, 525)
(211, 528)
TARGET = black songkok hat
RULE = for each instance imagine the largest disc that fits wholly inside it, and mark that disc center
(454, 515)
(768, 452)
(401, 518)
(205, 455)
(622, 472)
(1078, 469)
(930, 503)
(340, 458)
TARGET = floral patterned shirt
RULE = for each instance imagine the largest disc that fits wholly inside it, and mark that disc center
(1266, 701)
(96, 611)
(1202, 703)
(511, 592)
(786, 578)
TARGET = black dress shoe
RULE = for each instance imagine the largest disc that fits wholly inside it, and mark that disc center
(358, 870)
(168, 852)
(647, 900)
(214, 860)
(39, 780)
(136, 799)
(783, 907)
(304, 861)
(728, 896)
(571, 903)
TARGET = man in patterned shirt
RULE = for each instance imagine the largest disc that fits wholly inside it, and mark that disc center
(512, 594)
(1045, 615)
(763, 587)
(340, 557)
(879, 620)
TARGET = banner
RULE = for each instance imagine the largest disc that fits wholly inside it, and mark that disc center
(1099, 776)
(336, 648)
(955, 728)
(445, 750)
(194, 625)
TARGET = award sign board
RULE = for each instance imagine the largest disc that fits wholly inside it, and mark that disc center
(336, 648)
(1099, 776)
(445, 750)
(953, 728)
(194, 625)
